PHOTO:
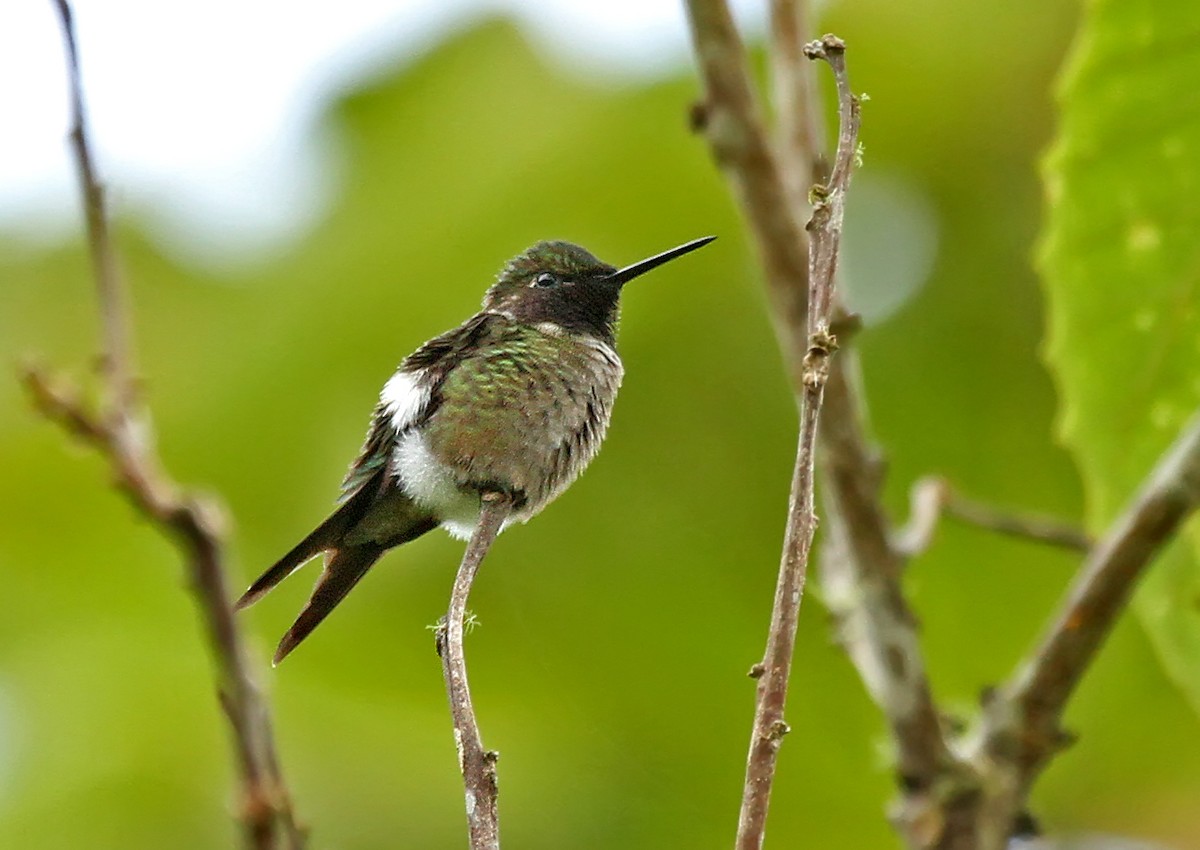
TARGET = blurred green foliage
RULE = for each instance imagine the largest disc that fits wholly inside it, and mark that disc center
(618, 627)
(1122, 268)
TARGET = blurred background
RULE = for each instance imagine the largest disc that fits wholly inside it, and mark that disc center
(304, 198)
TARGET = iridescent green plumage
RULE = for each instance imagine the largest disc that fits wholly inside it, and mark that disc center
(566, 384)
(516, 400)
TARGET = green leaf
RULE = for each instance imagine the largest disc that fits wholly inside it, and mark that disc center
(1121, 265)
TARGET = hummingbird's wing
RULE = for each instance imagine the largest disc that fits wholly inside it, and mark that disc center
(411, 396)
(375, 514)
(373, 458)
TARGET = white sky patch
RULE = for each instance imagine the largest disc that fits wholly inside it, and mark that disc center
(203, 112)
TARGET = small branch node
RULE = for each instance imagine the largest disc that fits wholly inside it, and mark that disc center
(821, 347)
(120, 430)
(828, 47)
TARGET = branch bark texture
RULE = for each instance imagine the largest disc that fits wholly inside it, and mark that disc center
(120, 429)
(775, 671)
(968, 796)
(861, 569)
(732, 121)
(1022, 721)
(478, 766)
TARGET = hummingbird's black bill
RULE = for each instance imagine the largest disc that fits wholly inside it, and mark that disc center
(628, 273)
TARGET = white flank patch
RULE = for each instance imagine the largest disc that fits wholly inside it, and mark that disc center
(433, 485)
(405, 397)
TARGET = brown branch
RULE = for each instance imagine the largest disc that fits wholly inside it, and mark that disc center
(117, 353)
(732, 122)
(773, 675)
(120, 430)
(825, 226)
(861, 571)
(799, 124)
(861, 587)
(968, 797)
(1022, 720)
(932, 498)
(478, 765)
(774, 672)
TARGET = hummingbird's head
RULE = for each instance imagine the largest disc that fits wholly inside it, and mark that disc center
(561, 283)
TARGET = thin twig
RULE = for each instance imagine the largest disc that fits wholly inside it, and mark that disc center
(933, 497)
(862, 576)
(829, 201)
(861, 570)
(119, 429)
(478, 765)
(774, 673)
(117, 353)
(952, 799)
(1024, 716)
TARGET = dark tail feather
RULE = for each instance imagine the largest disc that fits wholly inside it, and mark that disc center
(327, 535)
(343, 568)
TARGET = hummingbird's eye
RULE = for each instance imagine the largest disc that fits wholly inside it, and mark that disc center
(545, 280)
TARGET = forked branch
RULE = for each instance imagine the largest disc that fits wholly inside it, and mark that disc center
(1022, 720)
(861, 567)
(120, 428)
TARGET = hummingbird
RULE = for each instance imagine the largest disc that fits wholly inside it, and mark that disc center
(515, 400)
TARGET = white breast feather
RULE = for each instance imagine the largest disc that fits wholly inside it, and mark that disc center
(433, 485)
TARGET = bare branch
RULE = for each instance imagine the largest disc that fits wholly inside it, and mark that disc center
(118, 363)
(478, 765)
(861, 570)
(829, 202)
(119, 429)
(1024, 716)
(933, 497)
(952, 799)
(731, 119)
(775, 671)
(861, 586)
(799, 124)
